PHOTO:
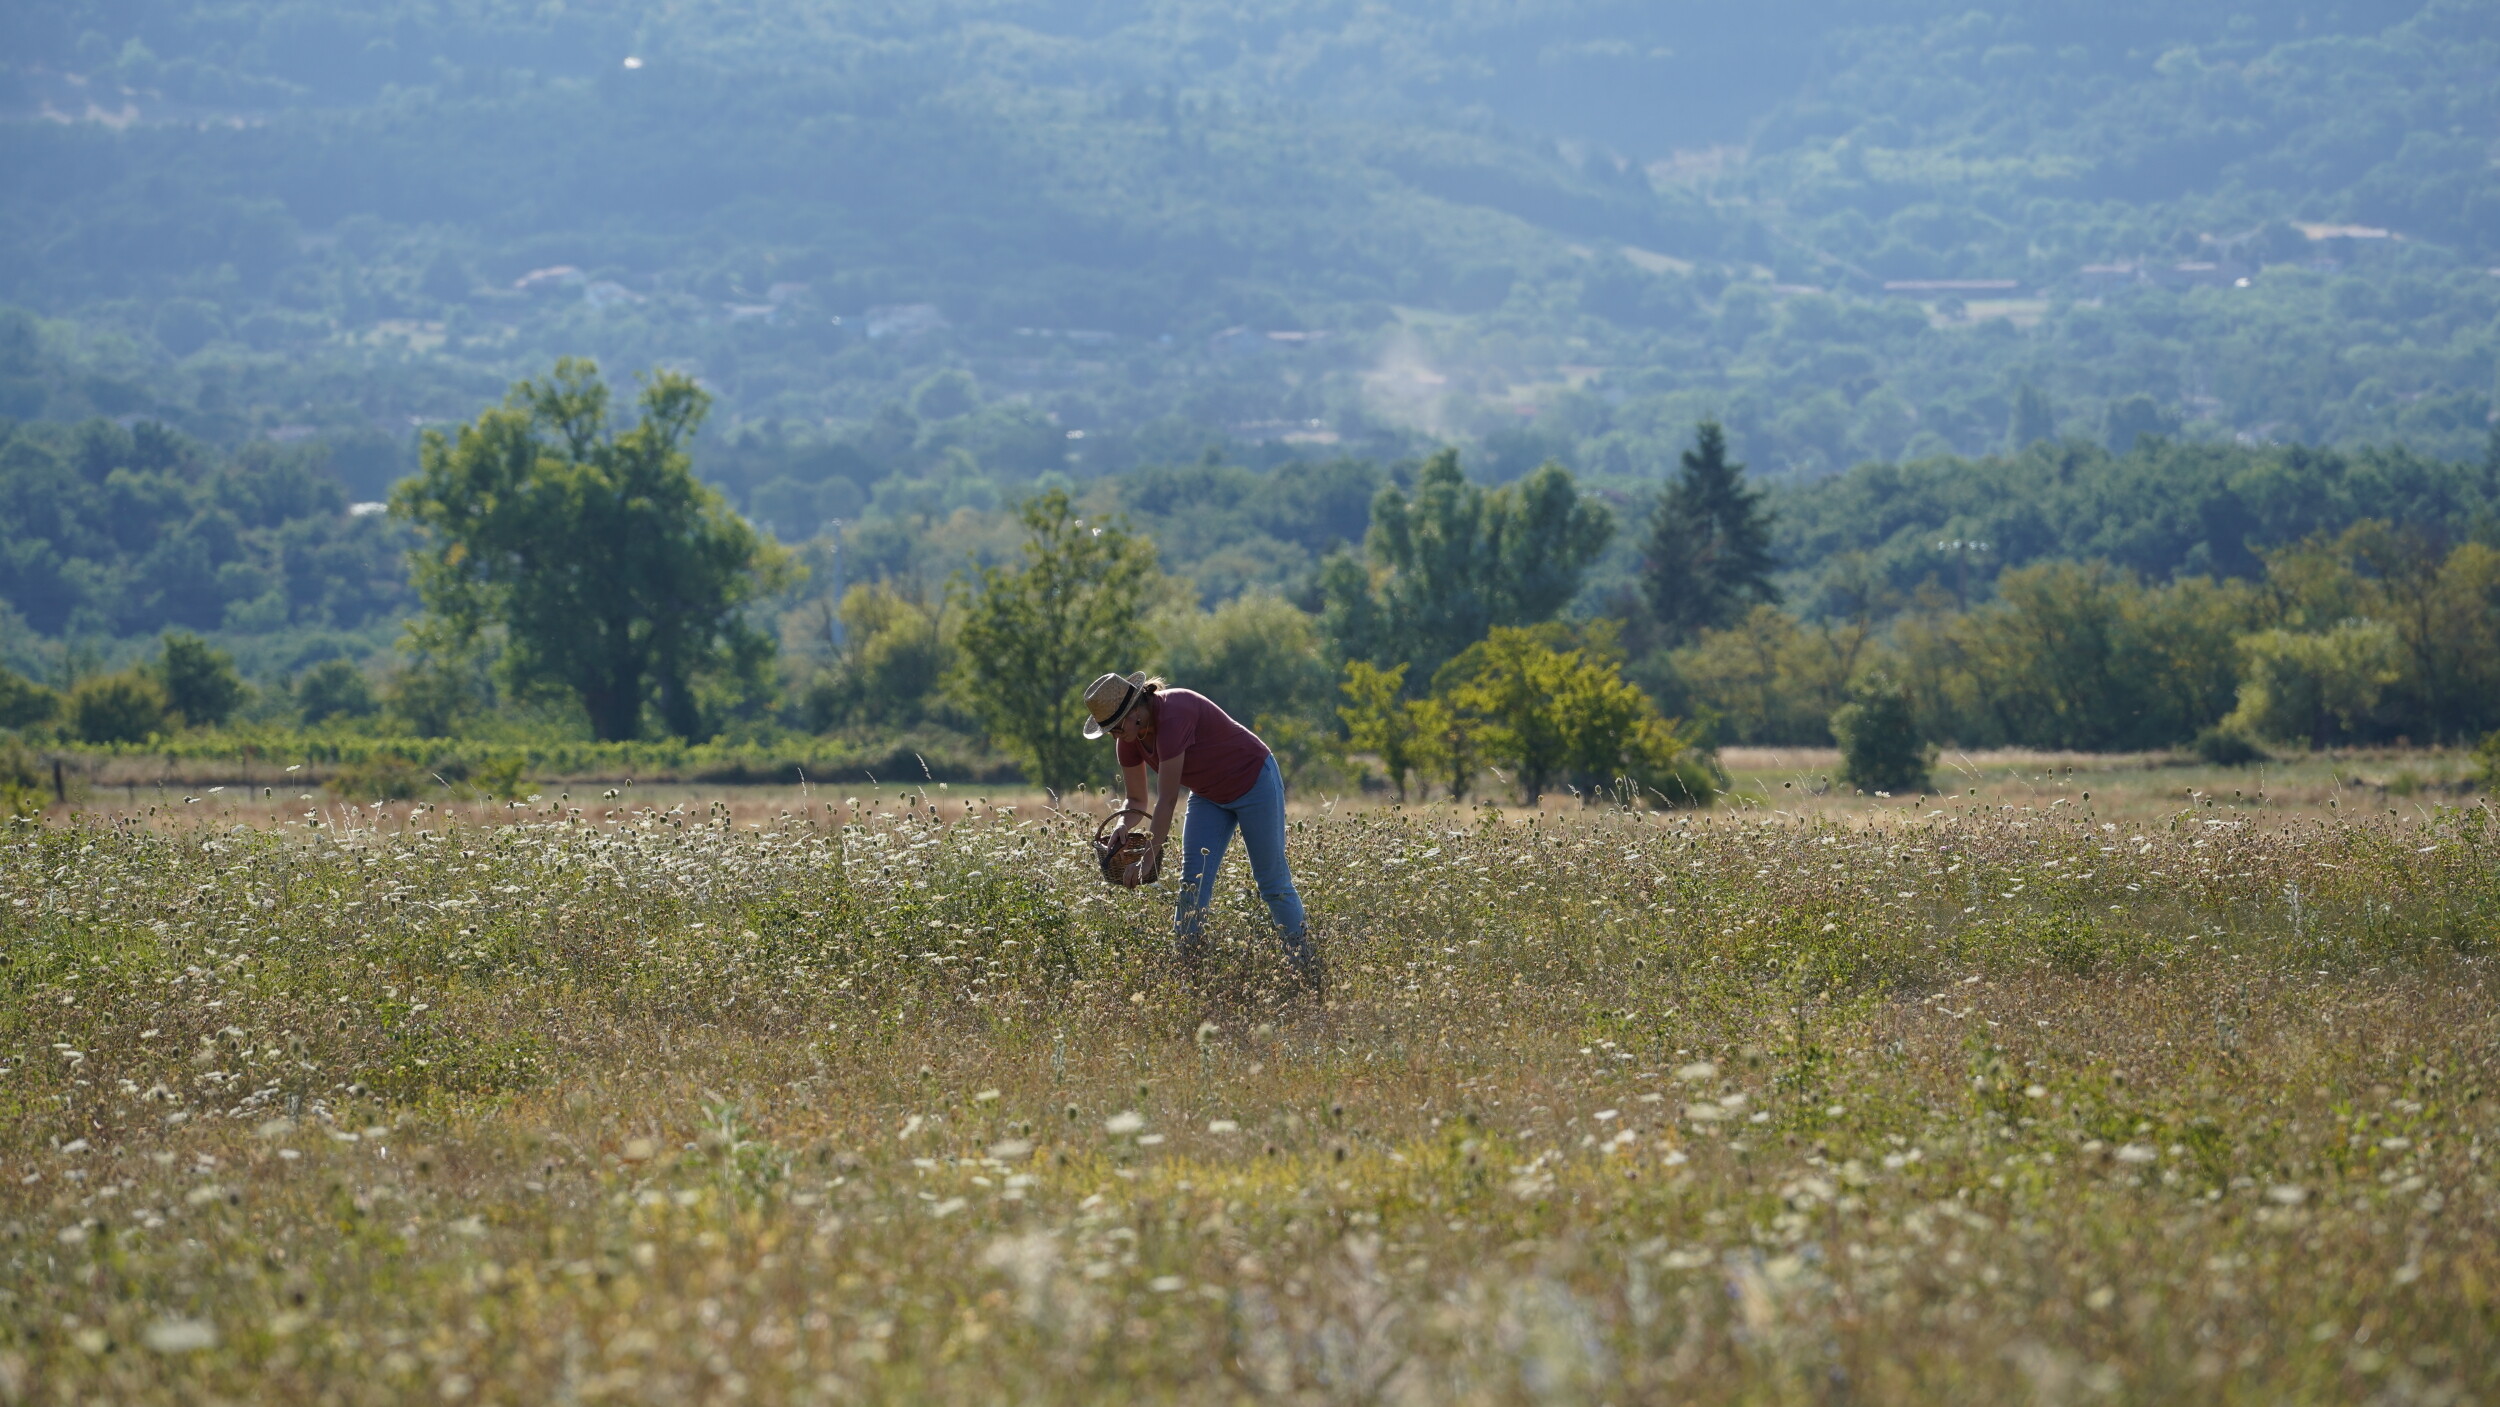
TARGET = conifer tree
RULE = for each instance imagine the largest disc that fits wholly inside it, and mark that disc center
(1708, 558)
(2033, 420)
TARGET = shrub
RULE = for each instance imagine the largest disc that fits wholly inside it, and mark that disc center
(25, 703)
(2315, 684)
(1378, 720)
(890, 674)
(436, 696)
(380, 778)
(1255, 655)
(333, 689)
(117, 708)
(21, 782)
(2487, 763)
(498, 777)
(1670, 766)
(1311, 758)
(199, 682)
(2229, 745)
(1880, 749)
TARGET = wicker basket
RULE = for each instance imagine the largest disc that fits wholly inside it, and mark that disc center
(1127, 860)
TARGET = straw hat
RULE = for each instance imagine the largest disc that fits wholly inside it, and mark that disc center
(1110, 698)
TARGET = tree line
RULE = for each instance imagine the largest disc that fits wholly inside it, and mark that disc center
(573, 570)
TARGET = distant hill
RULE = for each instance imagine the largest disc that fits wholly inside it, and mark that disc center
(1855, 232)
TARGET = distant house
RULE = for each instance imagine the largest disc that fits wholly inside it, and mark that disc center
(549, 279)
(1296, 339)
(1957, 287)
(784, 292)
(2101, 278)
(753, 312)
(905, 320)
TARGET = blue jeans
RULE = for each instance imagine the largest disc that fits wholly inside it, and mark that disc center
(1259, 814)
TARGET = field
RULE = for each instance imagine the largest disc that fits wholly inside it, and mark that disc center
(1794, 782)
(2013, 1096)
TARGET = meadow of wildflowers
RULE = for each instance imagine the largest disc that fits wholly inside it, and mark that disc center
(606, 1103)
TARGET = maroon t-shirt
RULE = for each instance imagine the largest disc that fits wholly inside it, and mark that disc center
(1221, 758)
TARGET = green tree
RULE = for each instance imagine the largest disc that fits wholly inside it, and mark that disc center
(1448, 745)
(200, 683)
(118, 708)
(25, 703)
(2033, 420)
(2080, 655)
(1771, 678)
(2052, 656)
(1665, 761)
(1453, 560)
(1708, 555)
(442, 688)
(1379, 720)
(2445, 609)
(2443, 606)
(1310, 755)
(2134, 418)
(1880, 745)
(1558, 709)
(333, 689)
(1256, 655)
(892, 669)
(1349, 614)
(1509, 683)
(611, 573)
(2316, 684)
(21, 782)
(1036, 632)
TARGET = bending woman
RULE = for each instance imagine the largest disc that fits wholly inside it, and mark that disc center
(1189, 743)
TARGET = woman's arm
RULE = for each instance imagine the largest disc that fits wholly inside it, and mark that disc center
(1167, 794)
(1135, 777)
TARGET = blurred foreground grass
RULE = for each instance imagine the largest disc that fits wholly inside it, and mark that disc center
(1981, 1105)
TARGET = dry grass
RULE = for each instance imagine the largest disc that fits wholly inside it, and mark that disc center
(1974, 1105)
(2141, 788)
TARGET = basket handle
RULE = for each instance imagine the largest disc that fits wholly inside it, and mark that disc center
(1125, 810)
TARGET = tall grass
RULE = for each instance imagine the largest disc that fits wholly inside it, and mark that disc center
(624, 1105)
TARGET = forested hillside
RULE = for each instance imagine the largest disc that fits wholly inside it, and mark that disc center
(1564, 227)
(108, 533)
